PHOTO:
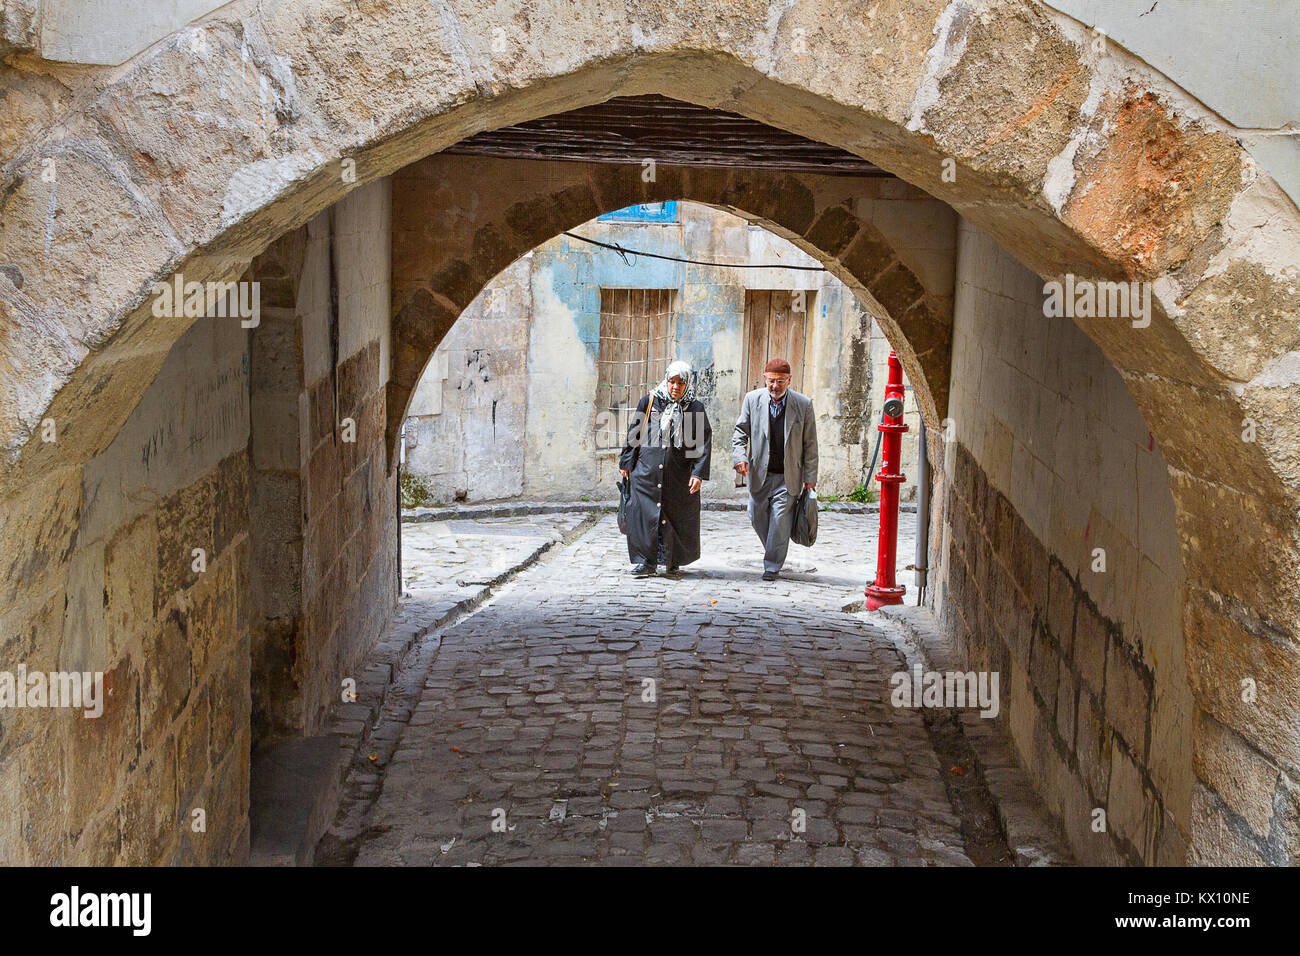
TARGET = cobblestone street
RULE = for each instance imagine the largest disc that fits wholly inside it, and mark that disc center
(769, 739)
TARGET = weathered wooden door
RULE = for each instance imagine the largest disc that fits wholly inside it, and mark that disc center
(775, 329)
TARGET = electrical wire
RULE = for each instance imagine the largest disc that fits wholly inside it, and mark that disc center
(624, 253)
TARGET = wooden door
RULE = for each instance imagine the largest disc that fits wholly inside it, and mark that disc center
(773, 329)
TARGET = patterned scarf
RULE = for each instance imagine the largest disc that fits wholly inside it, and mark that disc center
(673, 409)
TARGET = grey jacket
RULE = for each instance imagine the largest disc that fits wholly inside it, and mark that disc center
(749, 442)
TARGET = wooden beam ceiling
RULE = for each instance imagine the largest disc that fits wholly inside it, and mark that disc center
(630, 129)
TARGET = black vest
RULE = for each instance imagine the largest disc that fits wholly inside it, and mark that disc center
(776, 442)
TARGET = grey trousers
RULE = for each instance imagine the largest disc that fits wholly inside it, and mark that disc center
(771, 512)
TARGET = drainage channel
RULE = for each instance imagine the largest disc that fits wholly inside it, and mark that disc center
(960, 767)
(364, 783)
(967, 790)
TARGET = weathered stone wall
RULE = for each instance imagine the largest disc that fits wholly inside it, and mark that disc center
(1051, 472)
(152, 596)
(1182, 40)
(163, 577)
(324, 526)
(276, 473)
(465, 431)
(349, 582)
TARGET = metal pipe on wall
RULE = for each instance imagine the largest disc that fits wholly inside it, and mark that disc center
(921, 561)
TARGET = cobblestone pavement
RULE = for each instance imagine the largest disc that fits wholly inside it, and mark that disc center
(769, 738)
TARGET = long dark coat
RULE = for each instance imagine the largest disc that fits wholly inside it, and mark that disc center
(661, 499)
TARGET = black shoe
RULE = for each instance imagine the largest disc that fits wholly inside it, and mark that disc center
(770, 575)
(643, 570)
(673, 572)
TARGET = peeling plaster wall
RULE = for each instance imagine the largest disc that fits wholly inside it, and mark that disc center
(467, 437)
(1051, 461)
(560, 433)
(1237, 58)
(466, 424)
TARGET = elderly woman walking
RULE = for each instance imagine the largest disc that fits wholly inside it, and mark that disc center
(667, 457)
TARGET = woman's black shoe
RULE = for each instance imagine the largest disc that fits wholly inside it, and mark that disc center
(643, 570)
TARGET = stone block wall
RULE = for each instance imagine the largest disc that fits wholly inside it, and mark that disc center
(349, 582)
(169, 591)
(323, 497)
(350, 559)
(276, 474)
(158, 566)
(1049, 466)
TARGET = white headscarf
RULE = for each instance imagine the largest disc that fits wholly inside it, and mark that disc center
(673, 408)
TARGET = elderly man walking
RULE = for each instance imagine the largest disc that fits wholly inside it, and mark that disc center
(775, 444)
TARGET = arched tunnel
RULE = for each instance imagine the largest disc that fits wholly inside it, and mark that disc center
(226, 264)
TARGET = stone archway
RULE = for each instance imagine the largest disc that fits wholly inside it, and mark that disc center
(193, 161)
(438, 271)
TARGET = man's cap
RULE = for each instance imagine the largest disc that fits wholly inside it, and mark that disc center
(777, 366)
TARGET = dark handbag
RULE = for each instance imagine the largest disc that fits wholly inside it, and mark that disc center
(804, 529)
(624, 496)
(625, 484)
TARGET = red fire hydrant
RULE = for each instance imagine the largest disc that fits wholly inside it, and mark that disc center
(883, 590)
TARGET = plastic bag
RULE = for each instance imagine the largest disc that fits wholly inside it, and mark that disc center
(804, 528)
(624, 496)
